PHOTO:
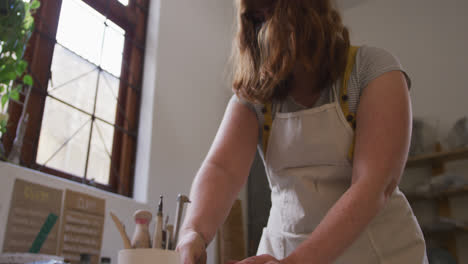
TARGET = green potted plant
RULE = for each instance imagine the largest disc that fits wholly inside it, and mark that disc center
(16, 27)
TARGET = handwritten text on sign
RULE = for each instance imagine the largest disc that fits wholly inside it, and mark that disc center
(30, 206)
(82, 226)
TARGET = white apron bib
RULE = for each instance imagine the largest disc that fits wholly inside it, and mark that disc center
(308, 171)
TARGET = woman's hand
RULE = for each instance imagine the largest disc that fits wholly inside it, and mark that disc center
(192, 248)
(262, 259)
(219, 180)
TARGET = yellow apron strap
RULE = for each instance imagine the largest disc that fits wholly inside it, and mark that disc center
(268, 120)
(344, 102)
(350, 117)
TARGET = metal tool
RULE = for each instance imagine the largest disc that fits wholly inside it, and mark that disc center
(158, 226)
(164, 233)
(169, 231)
(123, 234)
(181, 200)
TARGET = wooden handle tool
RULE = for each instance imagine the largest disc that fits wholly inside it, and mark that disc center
(122, 232)
(181, 200)
(158, 227)
(169, 231)
(141, 237)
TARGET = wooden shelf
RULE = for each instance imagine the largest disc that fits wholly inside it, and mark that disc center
(428, 159)
(432, 195)
(443, 232)
(446, 226)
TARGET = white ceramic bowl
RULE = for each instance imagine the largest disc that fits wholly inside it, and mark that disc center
(148, 256)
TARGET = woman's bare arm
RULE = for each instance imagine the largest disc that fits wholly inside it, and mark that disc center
(382, 141)
(223, 172)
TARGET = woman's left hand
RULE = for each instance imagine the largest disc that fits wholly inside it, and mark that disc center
(262, 259)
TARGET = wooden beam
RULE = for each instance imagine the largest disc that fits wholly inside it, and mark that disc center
(43, 49)
(123, 16)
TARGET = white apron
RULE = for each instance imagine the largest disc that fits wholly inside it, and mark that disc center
(308, 171)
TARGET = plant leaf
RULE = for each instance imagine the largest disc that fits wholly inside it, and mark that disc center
(11, 75)
(28, 80)
(28, 21)
(14, 94)
(21, 67)
(35, 4)
(4, 99)
(3, 126)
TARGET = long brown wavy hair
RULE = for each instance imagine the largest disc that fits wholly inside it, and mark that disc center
(265, 52)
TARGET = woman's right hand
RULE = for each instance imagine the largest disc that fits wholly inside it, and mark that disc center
(191, 247)
(220, 178)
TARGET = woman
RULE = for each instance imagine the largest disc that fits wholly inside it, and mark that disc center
(290, 59)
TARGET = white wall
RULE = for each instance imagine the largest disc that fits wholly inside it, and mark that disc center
(185, 94)
(123, 207)
(191, 91)
(430, 39)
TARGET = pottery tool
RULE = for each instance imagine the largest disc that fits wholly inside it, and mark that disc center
(121, 228)
(164, 233)
(158, 226)
(181, 200)
(141, 237)
(169, 231)
(166, 222)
